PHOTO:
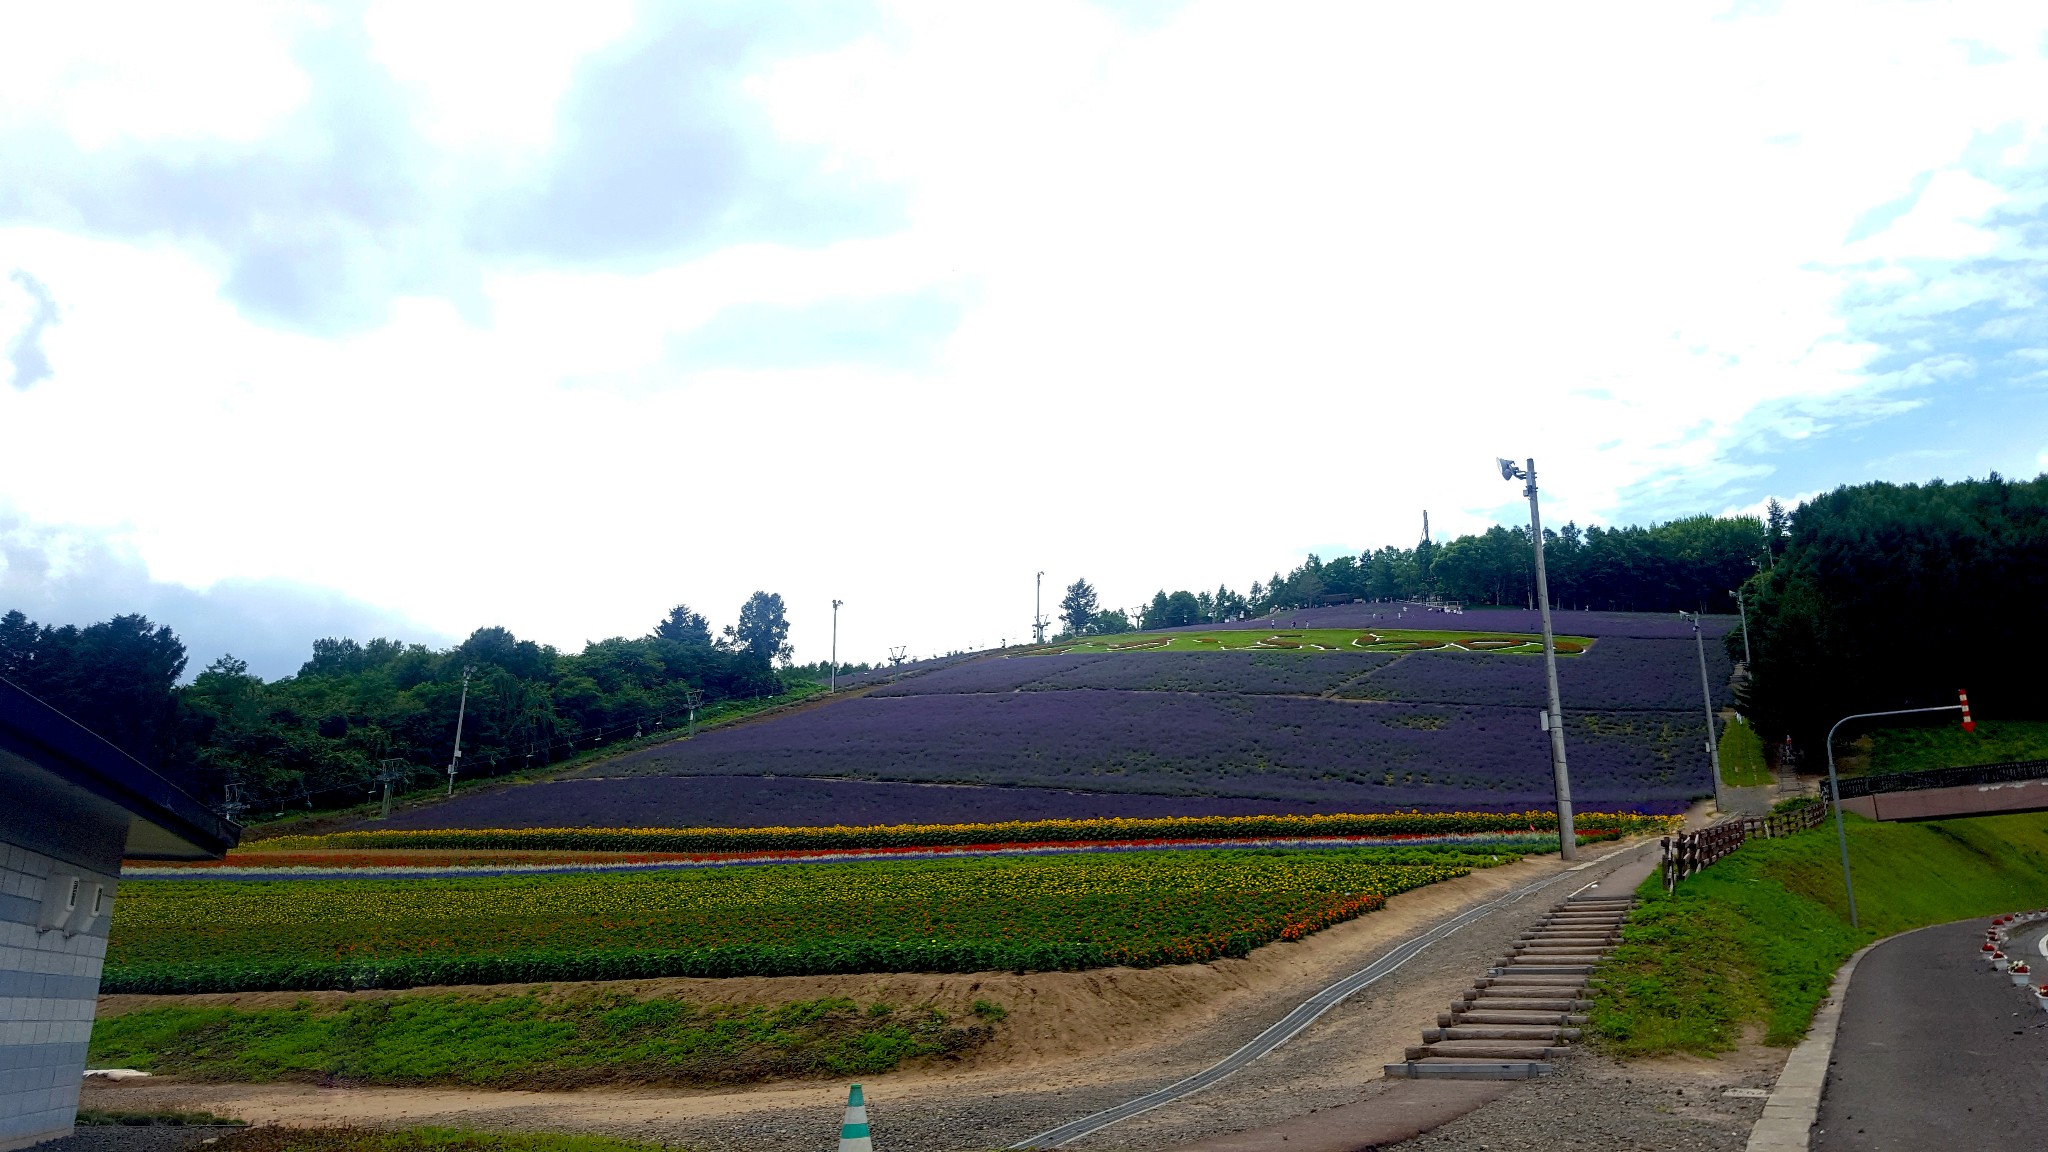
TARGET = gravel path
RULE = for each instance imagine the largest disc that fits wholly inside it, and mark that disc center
(1596, 1105)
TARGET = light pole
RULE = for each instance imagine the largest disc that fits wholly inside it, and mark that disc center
(1038, 612)
(1567, 836)
(1743, 608)
(832, 683)
(1835, 788)
(455, 761)
(1707, 696)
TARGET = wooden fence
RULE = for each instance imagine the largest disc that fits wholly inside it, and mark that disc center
(1688, 852)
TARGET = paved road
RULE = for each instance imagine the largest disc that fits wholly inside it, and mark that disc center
(1936, 1051)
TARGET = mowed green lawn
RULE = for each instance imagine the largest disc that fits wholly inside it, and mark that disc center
(1316, 640)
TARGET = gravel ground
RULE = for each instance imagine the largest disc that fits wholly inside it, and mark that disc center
(136, 1138)
(1596, 1105)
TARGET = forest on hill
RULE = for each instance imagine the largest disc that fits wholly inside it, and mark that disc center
(1692, 564)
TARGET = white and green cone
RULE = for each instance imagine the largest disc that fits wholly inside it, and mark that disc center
(853, 1133)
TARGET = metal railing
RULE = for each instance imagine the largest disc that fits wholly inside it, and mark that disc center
(1944, 778)
(1689, 852)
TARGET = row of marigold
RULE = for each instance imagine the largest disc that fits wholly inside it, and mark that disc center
(1007, 832)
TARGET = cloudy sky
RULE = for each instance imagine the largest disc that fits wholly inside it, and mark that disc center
(408, 318)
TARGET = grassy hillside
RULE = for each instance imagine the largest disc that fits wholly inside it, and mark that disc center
(1755, 940)
(1742, 756)
(532, 1040)
(1948, 746)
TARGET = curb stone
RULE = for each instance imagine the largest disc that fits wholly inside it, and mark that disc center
(1787, 1122)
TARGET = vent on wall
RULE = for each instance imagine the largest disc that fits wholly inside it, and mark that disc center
(71, 903)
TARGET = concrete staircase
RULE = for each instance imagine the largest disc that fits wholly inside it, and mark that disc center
(1528, 1008)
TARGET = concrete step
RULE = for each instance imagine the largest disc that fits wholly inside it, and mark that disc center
(1461, 1068)
(1486, 1050)
(1549, 1033)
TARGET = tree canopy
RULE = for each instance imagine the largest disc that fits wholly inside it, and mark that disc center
(1894, 596)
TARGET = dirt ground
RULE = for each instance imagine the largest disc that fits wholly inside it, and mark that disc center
(1073, 1043)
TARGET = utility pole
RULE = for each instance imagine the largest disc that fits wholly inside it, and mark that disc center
(1553, 720)
(455, 761)
(1038, 612)
(832, 684)
(1707, 695)
(1747, 659)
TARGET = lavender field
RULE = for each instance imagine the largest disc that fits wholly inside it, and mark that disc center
(811, 802)
(1261, 673)
(1616, 673)
(1358, 756)
(1181, 733)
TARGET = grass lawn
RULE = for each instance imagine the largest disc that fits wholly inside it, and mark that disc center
(1948, 746)
(535, 1040)
(1742, 756)
(1755, 939)
(1314, 640)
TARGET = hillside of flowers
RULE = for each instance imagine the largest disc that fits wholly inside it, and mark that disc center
(1342, 754)
(1021, 913)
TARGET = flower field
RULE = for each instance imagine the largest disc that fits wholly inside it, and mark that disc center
(1021, 913)
(1342, 754)
(1619, 674)
(735, 840)
(748, 801)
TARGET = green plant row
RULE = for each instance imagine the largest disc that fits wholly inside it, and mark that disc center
(821, 958)
(939, 835)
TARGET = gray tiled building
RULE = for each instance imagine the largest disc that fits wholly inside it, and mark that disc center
(71, 807)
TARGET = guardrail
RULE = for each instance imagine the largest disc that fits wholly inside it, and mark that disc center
(1944, 778)
(1688, 852)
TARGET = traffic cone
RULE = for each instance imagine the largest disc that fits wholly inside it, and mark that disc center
(853, 1132)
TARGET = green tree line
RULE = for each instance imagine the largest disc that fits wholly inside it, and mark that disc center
(1691, 564)
(1885, 596)
(354, 706)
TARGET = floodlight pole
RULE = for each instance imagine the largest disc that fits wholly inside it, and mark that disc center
(1567, 834)
(1038, 611)
(832, 684)
(455, 761)
(1835, 792)
(1706, 696)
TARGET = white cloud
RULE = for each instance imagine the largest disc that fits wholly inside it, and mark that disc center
(152, 72)
(1232, 282)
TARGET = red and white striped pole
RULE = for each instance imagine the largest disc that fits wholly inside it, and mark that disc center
(1969, 725)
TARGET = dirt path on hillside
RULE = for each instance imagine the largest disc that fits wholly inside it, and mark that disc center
(1074, 1042)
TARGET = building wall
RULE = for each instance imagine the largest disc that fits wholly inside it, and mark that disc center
(49, 982)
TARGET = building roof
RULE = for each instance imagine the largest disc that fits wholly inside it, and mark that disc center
(164, 823)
